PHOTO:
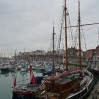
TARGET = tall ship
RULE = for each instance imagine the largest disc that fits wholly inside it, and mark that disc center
(76, 84)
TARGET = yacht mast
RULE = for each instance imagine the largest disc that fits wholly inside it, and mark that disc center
(65, 10)
(79, 34)
(53, 51)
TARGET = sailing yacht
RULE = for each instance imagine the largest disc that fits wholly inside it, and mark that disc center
(69, 85)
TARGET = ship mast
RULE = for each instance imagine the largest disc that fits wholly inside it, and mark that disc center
(98, 37)
(65, 10)
(79, 34)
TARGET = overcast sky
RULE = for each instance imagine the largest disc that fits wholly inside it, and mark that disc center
(28, 23)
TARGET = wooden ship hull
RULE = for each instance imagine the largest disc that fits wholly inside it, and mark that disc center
(73, 89)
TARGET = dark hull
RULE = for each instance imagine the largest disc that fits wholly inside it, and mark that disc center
(83, 94)
(5, 69)
(23, 95)
(95, 72)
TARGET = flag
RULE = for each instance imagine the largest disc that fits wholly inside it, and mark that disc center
(32, 78)
(14, 81)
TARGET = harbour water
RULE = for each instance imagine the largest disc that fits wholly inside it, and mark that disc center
(7, 78)
(6, 82)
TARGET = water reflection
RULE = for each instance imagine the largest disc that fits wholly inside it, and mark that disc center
(23, 73)
(7, 78)
(4, 73)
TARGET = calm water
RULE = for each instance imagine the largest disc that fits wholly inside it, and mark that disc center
(6, 82)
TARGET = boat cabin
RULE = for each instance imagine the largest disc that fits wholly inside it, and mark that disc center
(63, 86)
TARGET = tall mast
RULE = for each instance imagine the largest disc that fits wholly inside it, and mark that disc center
(98, 37)
(53, 51)
(41, 54)
(24, 55)
(79, 34)
(15, 56)
(65, 10)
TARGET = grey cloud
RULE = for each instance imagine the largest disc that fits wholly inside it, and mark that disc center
(29, 22)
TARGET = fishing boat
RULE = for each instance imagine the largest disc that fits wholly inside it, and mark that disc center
(30, 90)
(69, 85)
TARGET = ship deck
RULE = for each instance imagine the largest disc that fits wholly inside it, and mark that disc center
(83, 83)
